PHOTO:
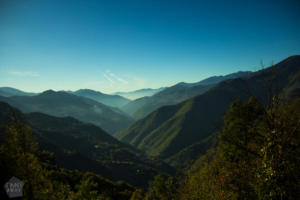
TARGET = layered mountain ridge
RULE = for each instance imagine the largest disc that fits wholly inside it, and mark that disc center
(170, 129)
(141, 107)
(86, 147)
(9, 91)
(63, 104)
(109, 100)
(139, 93)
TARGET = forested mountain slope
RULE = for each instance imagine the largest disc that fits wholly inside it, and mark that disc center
(170, 129)
(22, 157)
(86, 147)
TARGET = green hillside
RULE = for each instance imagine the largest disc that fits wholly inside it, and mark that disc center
(21, 156)
(187, 156)
(256, 156)
(86, 147)
(194, 120)
(69, 138)
(169, 96)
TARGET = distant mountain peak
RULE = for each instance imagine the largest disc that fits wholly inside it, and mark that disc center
(52, 92)
(9, 91)
(107, 99)
(89, 91)
(62, 104)
(48, 92)
(181, 83)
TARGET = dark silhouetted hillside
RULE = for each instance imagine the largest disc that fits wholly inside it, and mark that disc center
(86, 147)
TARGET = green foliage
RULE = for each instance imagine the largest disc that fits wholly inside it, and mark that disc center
(18, 158)
(86, 190)
(239, 142)
(256, 157)
(21, 157)
(86, 147)
(137, 195)
(186, 157)
(161, 188)
(278, 172)
(206, 181)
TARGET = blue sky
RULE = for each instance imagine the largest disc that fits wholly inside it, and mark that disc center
(123, 45)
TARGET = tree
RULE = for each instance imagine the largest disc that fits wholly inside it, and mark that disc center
(18, 158)
(239, 143)
(257, 156)
(161, 188)
(137, 195)
(207, 181)
(278, 173)
(87, 190)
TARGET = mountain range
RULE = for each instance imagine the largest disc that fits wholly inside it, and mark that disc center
(141, 107)
(169, 130)
(176, 123)
(63, 104)
(9, 91)
(106, 99)
(86, 147)
(139, 93)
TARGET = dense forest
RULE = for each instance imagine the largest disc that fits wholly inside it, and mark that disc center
(21, 157)
(256, 157)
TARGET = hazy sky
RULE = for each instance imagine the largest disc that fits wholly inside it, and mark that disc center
(122, 45)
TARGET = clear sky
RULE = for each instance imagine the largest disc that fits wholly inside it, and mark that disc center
(123, 45)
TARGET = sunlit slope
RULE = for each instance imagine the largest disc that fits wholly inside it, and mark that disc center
(170, 129)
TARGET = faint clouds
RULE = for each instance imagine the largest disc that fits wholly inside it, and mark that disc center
(109, 80)
(24, 73)
(111, 77)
